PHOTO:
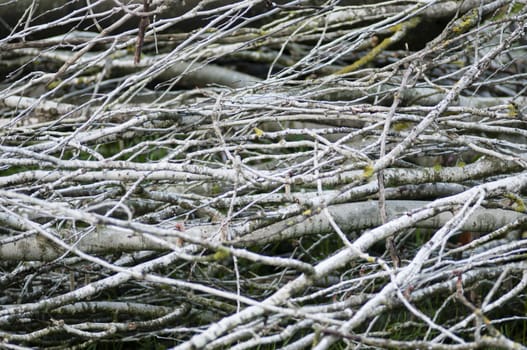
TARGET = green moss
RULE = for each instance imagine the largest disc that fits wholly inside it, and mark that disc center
(459, 63)
(369, 57)
(505, 11)
(512, 110)
(517, 202)
(53, 84)
(11, 170)
(368, 171)
(401, 126)
(258, 132)
(221, 254)
(467, 21)
(409, 24)
(157, 154)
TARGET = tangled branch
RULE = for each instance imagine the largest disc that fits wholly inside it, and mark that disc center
(207, 174)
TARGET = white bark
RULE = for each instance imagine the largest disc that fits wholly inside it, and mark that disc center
(227, 176)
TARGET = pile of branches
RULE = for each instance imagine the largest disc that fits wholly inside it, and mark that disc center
(251, 174)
